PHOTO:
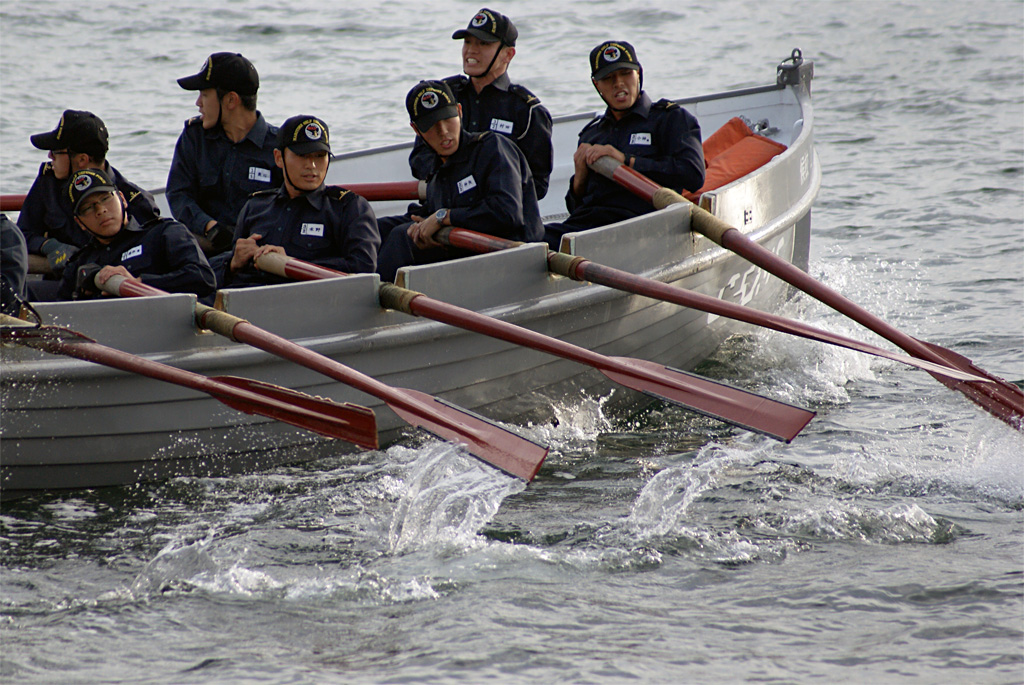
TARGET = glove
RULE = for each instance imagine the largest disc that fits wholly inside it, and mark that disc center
(57, 254)
(85, 279)
(220, 236)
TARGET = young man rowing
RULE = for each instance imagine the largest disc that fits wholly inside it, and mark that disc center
(483, 182)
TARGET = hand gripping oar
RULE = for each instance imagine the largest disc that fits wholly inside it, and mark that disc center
(582, 269)
(1000, 398)
(726, 403)
(484, 439)
(349, 422)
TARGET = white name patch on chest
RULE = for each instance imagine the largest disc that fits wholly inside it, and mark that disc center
(467, 183)
(257, 174)
(134, 252)
(501, 126)
(640, 139)
(312, 229)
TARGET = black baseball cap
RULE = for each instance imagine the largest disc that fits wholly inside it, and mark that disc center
(490, 27)
(429, 102)
(77, 131)
(303, 134)
(610, 56)
(227, 71)
(86, 182)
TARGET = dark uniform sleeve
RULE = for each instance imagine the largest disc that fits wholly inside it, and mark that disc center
(183, 182)
(500, 210)
(423, 160)
(535, 142)
(32, 217)
(356, 235)
(188, 271)
(679, 164)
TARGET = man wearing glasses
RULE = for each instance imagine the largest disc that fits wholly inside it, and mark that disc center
(46, 218)
(163, 253)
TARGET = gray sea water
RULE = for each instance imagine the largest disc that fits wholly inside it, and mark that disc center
(884, 545)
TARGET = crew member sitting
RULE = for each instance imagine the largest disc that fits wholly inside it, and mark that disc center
(80, 141)
(483, 182)
(162, 253)
(223, 155)
(326, 225)
(659, 139)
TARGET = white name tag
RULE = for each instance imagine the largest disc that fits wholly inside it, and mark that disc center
(640, 139)
(501, 126)
(467, 183)
(257, 174)
(312, 229)
(134, 252)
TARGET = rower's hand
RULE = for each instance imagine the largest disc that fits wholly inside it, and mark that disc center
(596, 152)
(245, 252)
(107, 272)
(265, 249)
(422, 230)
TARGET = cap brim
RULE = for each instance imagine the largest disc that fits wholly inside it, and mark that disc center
(194, 82)
(425, 121)
(92, 191)
(306, 148)
(604, 71)
(45, 141)
(482, 35)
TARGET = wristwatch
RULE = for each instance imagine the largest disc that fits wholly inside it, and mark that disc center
(440, 215)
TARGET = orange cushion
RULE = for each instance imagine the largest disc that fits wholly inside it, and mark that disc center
(724, 138)
(738, 159)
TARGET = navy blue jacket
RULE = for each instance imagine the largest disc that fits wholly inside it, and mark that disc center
(211, 177)
(502, 107)
(330, 226)
(488, 187)
(664, 138)
(47, 212)
(162, 254)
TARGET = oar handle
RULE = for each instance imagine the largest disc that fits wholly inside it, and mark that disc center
(289, 267)
(126, 287)
(11, 203)
(391, 190)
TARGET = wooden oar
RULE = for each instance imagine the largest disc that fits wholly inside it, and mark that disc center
(999, 397)
(582, 269)
(387, 190)
(483, 438)
(726, 403)
(349, 422)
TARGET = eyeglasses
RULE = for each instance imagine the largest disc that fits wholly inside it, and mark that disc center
(54, 153)
(93, 207)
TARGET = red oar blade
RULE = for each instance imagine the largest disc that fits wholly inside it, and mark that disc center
(720, 401)
(345, 421)
(484, 439)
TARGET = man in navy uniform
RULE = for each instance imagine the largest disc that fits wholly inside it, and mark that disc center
(491, 102)
(162, 253)
(483, 182)
(660, 139)
(326, 225)
(80, 141)
(223, 155)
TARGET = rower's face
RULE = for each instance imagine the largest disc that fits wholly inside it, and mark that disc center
(102, 214)
(305, 172)
(209, 107)
(477, 55)
(443, 136)
(620, 89)
(60, 161)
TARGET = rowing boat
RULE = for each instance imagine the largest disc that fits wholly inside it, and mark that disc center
(70, 424)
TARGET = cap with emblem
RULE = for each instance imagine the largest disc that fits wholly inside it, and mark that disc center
(490, 27)
(430, 102)
(303, 134)
(87, 182)
(610, 56)
(227, 71)
(76, 131)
